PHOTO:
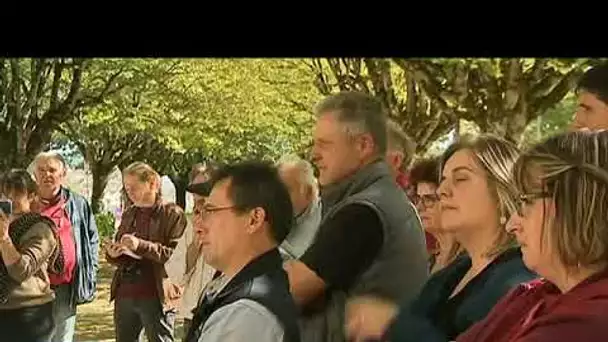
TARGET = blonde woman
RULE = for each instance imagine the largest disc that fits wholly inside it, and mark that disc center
(143, 294)
(477, 196)
(562, 225)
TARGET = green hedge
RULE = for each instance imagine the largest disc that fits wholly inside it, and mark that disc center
(105, 225)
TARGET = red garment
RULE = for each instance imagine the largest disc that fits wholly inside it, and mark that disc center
(538, 312)
(145, 287)
(431, 243)
(403, 180)
(55, 210)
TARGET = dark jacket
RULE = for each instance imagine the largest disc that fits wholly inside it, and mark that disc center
(263, 280)
(167, 225)
(86, 238)
(434, 316)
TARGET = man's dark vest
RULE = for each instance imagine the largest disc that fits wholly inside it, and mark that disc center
(263, 280)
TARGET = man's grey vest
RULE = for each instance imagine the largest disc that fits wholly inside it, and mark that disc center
(401, 267)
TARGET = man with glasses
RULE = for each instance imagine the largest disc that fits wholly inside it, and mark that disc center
(246, 216)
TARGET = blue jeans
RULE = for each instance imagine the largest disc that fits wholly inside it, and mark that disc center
(64, 313)
(64, 330)
(131, 315)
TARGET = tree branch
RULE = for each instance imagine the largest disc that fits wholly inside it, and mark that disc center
(106, 89)
(37, 71)
(427, 81)
(320, 81)
(3, 90)
(558, 92)
(58, 67)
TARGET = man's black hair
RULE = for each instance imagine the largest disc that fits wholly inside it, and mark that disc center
(257, 184)
(595, 81)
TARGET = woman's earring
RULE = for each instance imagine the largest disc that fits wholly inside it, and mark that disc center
(503, 220)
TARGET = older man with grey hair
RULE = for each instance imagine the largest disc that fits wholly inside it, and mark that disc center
(79, 238)
(299, 176)
(370, 241)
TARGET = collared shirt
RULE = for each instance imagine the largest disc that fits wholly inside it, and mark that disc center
(56, 211)
(243, 320)
(240, 321)
(303, 232)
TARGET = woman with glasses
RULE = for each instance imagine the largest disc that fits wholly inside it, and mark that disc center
(442, 246)
(476, 197)
(144, 295)
(562, 226)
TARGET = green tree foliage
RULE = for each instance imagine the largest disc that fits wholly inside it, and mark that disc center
(420, 116)
(555, 120)
(501, 96)
(173, 114)
(232, 109)
(228, 110)
(38, 94)
(105, 225)
(116, 131)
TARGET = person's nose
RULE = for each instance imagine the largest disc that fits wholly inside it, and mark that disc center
(513, 225)
(444, 190)
(199, 226)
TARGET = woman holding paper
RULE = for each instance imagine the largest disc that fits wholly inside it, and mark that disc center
(144, 295)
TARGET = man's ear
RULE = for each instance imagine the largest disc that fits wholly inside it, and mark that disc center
(395, 158)
(399, 158)
(64, 173)
(366, 144)
(256, 220)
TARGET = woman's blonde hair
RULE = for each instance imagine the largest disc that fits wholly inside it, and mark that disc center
(496, 157)
(571, 169)
(144, 173)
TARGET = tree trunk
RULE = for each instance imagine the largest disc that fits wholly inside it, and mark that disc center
(100, 174)
(457, 130)
(181, 183)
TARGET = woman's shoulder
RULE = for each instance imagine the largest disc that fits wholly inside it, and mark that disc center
(172, 210)
(37, 225)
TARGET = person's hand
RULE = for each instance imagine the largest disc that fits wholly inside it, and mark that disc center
(4, 225)
(130, 241)
(114, 250)
(367, 318)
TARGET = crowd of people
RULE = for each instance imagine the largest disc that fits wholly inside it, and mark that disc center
(483, 243)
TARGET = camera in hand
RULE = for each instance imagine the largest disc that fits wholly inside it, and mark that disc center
(6, 206)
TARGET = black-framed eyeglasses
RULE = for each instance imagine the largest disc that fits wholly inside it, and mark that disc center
(524, 200)
(427, 200)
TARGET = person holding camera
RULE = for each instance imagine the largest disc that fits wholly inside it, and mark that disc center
(29, 250)
(144, 295)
